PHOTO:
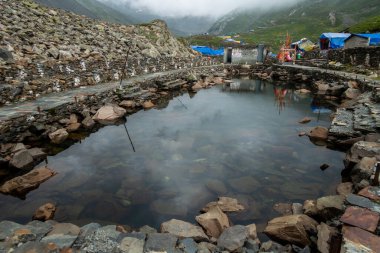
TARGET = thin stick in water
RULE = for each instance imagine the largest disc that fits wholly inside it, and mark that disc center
(129, 137)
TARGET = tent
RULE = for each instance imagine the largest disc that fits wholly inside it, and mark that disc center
(333, 40)
(303, 44)
(208, 51)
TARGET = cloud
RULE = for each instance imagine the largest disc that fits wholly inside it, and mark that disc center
(213, 8)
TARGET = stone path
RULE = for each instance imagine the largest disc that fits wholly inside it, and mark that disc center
(56, 99)
(353, 76)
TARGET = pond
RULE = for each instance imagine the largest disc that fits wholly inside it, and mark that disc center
(239, 141)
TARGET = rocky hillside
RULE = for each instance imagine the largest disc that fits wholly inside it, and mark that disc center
(90, 8)
(41, 46)
(306, 19)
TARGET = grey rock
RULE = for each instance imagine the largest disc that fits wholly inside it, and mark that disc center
(36, 247)
(147, 230)
(6, 55)
(39, 228)
(132, 245)
(61, 240)
(363, 202)
(274, 247)
(161, 242)
(183, 229)
(22, 160)
(111, 231)
(252, 245)
(233, 237)
(37, 154)
(84, 232)
(7, 228)
(188, 245)
(100, 242)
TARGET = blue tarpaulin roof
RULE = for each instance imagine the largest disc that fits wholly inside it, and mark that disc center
(336, 39)
(374, 38)
(208, 51)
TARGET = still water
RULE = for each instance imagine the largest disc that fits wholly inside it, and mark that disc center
(239, 141)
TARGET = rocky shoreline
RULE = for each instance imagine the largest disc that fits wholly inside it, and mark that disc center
(345, 222)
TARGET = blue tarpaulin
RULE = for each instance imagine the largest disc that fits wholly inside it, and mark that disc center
(374, 38)
(336, 39)
(208, 51)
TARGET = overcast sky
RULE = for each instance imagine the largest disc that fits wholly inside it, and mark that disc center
(214, 8)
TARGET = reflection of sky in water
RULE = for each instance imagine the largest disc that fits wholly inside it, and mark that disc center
(227, 142)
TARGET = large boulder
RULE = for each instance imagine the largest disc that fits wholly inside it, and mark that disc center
(109, 114)
(214, 222)
(319, 134)
(233, 238)
(362, 149)
(363, 169)
(22, 160)
(294, 229)
(58, 136)
(329, 207)
(25, 183)
(183, 229)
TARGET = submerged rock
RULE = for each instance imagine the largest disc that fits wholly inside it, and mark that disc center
(226, 204)
(45, 212)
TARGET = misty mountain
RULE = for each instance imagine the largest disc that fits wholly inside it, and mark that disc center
(90, 8)
(181, 26)
(306, 17)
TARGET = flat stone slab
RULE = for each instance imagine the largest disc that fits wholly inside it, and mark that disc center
(371, 192)
(343, 124)
(363, 202)
(359, 240)
(361, 217)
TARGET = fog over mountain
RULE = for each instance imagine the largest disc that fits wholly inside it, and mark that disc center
(211, 8)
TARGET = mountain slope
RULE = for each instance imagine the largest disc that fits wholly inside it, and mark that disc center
(90, 8)
(306, 19)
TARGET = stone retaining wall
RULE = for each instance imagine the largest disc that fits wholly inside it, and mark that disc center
(366, 56)
(39, 78)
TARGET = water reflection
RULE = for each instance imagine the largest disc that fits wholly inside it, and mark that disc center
(224, 143)
(245, 85)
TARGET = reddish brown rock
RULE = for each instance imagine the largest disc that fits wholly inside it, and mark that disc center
(214, 222)
(361, 217)
(319, 133)
(294, 229)
(25, 183)
(359, 240)
(73, 127)
(305, 120)
(371, 192)
(109, 114)
(45, 212)
(148, 105)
